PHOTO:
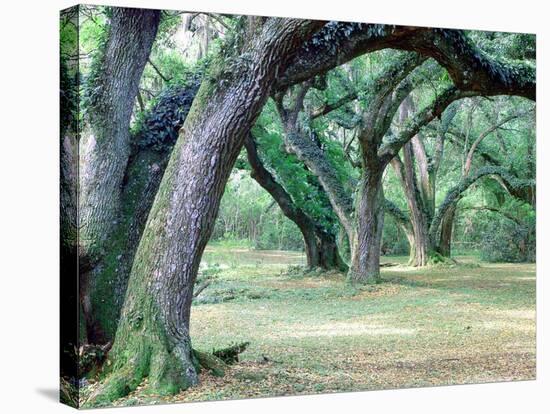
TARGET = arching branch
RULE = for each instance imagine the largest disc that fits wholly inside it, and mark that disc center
(431, 111)
(456, 193)
(484, 134)
(470, 68)
(495, 210)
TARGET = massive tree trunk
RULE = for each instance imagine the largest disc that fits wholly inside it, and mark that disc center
(418, 193)
(68, 223)
(320, 245)
(153, 335)
(140, 184)
(105, 142)
(365, 263)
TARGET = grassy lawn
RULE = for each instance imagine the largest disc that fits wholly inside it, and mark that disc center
(471, 323)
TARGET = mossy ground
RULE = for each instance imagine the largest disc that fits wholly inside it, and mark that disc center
(311, 333)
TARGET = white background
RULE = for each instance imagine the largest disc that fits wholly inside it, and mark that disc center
(29, 209)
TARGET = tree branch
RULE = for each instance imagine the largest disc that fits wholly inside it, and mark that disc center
(433, 110)
(495, 210)
(164, 78)
(484, 134)
(455, 194)
(470, 68)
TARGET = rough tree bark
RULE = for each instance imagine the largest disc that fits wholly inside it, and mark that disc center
(153, 335)
(142, 177)
(308, 151)
(470, 69)
(392, 87)
(406, 174)
(365, 260)
(105, 142)
(446, 232)
(420, 190)
(320, 245)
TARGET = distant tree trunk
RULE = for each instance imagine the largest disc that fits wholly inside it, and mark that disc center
(365, 263)
(320, 245)
(445, 238)
(455, 194)
(523, 192)
(420, 241)
(105, 143)
(308, 150)
(153, 335)
(321, 250)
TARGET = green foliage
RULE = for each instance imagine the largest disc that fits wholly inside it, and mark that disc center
(68, 94)
(513, 46)
(506, 241)
(93, 38)
(394, 242)
(249, 218)
(299, 182)
(158, 127)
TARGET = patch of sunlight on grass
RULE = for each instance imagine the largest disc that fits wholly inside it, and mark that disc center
(344, 329)
(516, 313)
(313, 332)
(508, 326)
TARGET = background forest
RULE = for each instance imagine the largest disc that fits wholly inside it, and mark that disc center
(383, 160)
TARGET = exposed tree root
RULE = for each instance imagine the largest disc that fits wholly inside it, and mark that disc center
(210, 362)
(230, 355)
(437, 259)
(161, 369)
(91, 358)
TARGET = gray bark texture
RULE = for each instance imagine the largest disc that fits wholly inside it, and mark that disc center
(105, 143)
(144, 171)
(365, 261)
(153, 334)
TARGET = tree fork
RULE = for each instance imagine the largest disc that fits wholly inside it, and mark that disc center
(153, 335)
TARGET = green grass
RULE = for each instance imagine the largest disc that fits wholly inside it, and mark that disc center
(312, 332)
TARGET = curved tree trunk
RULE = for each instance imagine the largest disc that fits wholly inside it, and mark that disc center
(313, 157)
(455, 194)
(310, 153)
(320, 246)
(105, 143)
(153, 335)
